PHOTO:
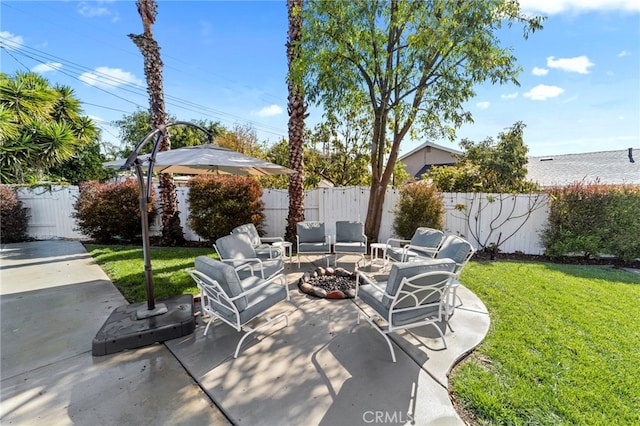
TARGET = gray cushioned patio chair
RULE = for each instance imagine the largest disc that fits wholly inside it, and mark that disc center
(460, 251)
(414, 295)
(261, 245)
(424, 243)
(237, 251)
(349, 239)
(236, 302)
(311, 238)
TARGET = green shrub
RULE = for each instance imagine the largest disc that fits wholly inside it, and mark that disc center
(593, 219)
(218, 204)
(14, 219)
(419, 204)
(109, 212)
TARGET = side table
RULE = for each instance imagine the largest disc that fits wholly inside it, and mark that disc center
(286, 246)
(376, 249)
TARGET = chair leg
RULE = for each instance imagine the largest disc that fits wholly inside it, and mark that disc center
(444, 342)
(206, 329)
(260, 327)
(375, 326)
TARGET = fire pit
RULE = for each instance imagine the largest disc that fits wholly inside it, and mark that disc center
(329, 283)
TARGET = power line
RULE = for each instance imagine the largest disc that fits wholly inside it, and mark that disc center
(79, 70)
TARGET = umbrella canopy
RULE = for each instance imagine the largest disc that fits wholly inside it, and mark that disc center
(207, 159)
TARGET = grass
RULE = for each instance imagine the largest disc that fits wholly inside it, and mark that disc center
(563, 346)
(125, 267)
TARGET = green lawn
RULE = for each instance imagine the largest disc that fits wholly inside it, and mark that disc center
(125, 267)
(563, 347)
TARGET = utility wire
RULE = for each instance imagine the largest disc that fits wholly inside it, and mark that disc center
(79, 70)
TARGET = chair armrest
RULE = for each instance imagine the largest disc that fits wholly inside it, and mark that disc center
(266, 283)
(271, 239)
(239, 264)
(397, 242)
(408, 247)
(367, 280)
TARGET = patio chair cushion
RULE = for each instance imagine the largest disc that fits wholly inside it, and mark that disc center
(250, 230)
(236, 246)
(454, 248)
(314, 247)
(349, 232)
(262, 250)
(262, 299)
(225, 275)
(311, 232)
(382, 304)
(351, 247)
(427, 237)
(408, 270)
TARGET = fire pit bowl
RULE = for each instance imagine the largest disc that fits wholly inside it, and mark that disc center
(329, 283)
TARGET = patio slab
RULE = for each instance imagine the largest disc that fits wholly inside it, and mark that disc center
(53, 300)
(322, 369)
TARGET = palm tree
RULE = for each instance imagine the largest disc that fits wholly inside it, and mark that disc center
(41, 127)
(172, 233)
(297, 113)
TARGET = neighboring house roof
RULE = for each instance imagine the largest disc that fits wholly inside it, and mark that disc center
(428, 167)
(431, 144)
(606, 167)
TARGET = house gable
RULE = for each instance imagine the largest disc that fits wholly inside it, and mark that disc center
(427, 155)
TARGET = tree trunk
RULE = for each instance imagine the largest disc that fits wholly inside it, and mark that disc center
(172, 233)
(297, 114)
(379, 178)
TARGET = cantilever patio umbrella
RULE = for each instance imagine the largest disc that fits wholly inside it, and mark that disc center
(202, 159)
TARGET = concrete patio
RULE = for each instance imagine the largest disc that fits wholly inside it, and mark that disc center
(323, 369)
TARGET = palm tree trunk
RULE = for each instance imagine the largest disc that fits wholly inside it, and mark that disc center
(297, 113)
(172, 233)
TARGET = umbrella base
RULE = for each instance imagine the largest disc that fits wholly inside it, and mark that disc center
(123, 330)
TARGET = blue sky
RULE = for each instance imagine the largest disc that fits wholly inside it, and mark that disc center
(225, 61)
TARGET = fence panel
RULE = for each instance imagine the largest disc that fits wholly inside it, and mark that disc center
(50, 208)
(516, 219)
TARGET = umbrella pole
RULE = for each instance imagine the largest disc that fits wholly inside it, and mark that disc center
(152, 309)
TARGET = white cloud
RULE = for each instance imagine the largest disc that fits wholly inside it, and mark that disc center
(539, 71)
(10, 41)
(92, 9)
(270, 111)
(579, 64)
(550, 7)
(105, 77)
(543, 92)
(483, 105)
(47, 67)
(510, 95)
(624, 53)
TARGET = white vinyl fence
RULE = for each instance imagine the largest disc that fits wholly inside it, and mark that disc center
(514, 221)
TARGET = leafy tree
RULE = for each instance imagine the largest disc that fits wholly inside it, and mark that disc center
(343, 159)
(243, 139)
(40, 127)
(409, 65)
(135, 126)
(297, 109)
(488, 166)
(86, 164)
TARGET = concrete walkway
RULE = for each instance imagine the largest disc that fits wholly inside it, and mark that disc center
(322, 369)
